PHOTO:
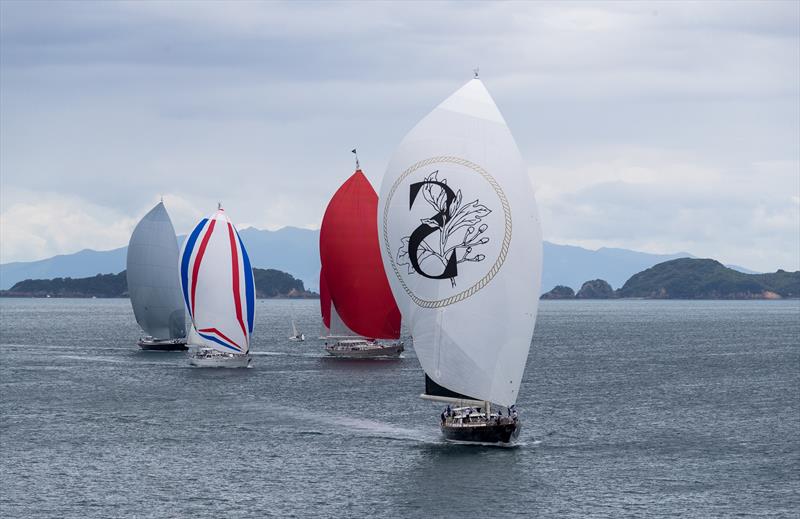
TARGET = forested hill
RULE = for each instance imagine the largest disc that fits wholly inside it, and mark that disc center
(101, 285)
(270, 283)
(689, 278)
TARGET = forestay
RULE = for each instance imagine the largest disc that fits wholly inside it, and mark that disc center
(461, 245)
(218, 286)
(324, 303)
(152, 276)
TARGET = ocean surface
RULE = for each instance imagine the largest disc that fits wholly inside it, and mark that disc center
(630, 408)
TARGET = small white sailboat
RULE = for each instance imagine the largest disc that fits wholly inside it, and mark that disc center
(219, 294)
(461, 244)
(153, 283)
(296, 336)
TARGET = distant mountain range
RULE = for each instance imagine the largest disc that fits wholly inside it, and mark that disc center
(291, 250)
(296, 251)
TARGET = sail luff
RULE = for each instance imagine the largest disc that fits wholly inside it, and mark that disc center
(324, 300)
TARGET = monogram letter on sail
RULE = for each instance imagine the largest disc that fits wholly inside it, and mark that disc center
(457, 230)
(430, 226)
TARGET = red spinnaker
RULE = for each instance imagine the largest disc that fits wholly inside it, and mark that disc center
(351, 262)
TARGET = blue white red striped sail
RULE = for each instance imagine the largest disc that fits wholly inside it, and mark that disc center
(218, 286)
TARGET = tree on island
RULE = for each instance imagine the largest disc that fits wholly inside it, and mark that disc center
(559, 292)
(596, 289)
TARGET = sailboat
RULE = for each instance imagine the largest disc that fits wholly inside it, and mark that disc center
(296, 336)
(461, 244)
(153, 282)
(357, 306)
(219, 294)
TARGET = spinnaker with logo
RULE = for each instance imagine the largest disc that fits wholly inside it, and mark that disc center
(461, 245)
(153, 284)
(219, 294)
(358, 310)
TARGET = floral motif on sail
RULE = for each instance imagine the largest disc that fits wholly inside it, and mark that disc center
(458, 227)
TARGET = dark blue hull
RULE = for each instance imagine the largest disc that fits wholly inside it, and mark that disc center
(168, 345)
(492, 434)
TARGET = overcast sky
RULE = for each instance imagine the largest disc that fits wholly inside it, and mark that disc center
(660, 127)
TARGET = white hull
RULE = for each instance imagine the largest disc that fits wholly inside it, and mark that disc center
(365, 350)
(219, 361)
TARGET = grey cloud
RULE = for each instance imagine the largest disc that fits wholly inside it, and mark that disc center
(260, 103)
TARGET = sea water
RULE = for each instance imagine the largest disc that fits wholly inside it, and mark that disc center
(629, 408)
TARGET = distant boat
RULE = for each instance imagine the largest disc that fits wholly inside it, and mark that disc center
(153, 284)
(219, 293)
(296, 336)
(461, 244)
(357, 306)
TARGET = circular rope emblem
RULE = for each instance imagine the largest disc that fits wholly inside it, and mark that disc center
(424, 303)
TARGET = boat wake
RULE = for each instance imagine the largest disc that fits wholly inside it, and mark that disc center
(285, 354)
(376, 429)
(94, 358)
(111, 360)
(358, 427)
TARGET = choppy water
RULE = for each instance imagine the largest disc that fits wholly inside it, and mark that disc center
(645, 408)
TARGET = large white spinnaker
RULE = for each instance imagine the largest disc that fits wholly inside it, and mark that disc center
(218, 286)
(461, 245)
(152, 276)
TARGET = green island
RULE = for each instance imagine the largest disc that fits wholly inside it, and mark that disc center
(684, 278)
(270, 283)
(690, 278)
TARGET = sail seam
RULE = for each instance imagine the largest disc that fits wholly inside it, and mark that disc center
(237, 298)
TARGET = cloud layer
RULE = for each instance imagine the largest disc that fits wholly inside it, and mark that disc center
(655, 126)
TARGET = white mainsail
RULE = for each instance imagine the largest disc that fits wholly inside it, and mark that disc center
(152, 275)
(461, 245)
(338, 327)
(218, 285)
(193, 338)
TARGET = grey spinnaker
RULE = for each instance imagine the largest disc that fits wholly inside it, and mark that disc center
(152, 273)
